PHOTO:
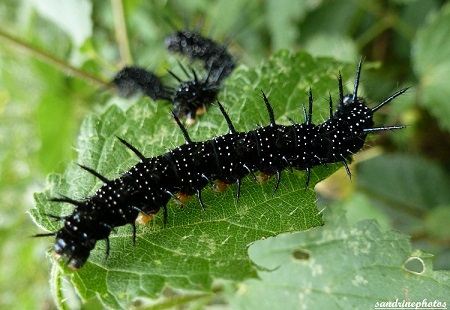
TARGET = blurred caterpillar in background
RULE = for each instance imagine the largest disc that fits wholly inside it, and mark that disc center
(190, 96)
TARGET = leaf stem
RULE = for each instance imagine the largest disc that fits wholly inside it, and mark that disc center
(52, 60)
(121, 31)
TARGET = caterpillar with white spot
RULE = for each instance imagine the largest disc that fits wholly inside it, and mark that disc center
(215, 57)
(190, 96)
(186, 170)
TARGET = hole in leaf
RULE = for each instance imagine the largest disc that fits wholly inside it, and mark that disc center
(414, 265)
(138, 303)
(300, 254)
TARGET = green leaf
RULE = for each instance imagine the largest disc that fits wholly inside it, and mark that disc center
(436, 222)
(338, 266)
(407, 188)
(283, 17)
(432, 65)
(407, 181)
(195, 247)
(72, 16)
(359, 206)
(332, 44)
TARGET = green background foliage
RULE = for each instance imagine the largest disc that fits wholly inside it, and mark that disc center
(56, 108)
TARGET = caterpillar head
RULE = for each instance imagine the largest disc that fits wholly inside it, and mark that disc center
(73, 248)
(350, 101)
(354, 111)
(194, 94)
(80, 232)
(74, 241)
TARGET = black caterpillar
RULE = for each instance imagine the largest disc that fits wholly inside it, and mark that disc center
(193, 95)
(190, 96)
(216, 59)
(149, 185)
(130, 80)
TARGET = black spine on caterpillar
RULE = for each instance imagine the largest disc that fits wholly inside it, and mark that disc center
(131, 80)
(148, 186)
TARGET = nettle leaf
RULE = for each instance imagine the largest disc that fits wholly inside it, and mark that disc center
(432, 65)
(419, 184)
(339, 266)
(195, 247)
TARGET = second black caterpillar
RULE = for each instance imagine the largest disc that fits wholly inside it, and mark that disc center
(189, 96)
(148, 186)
